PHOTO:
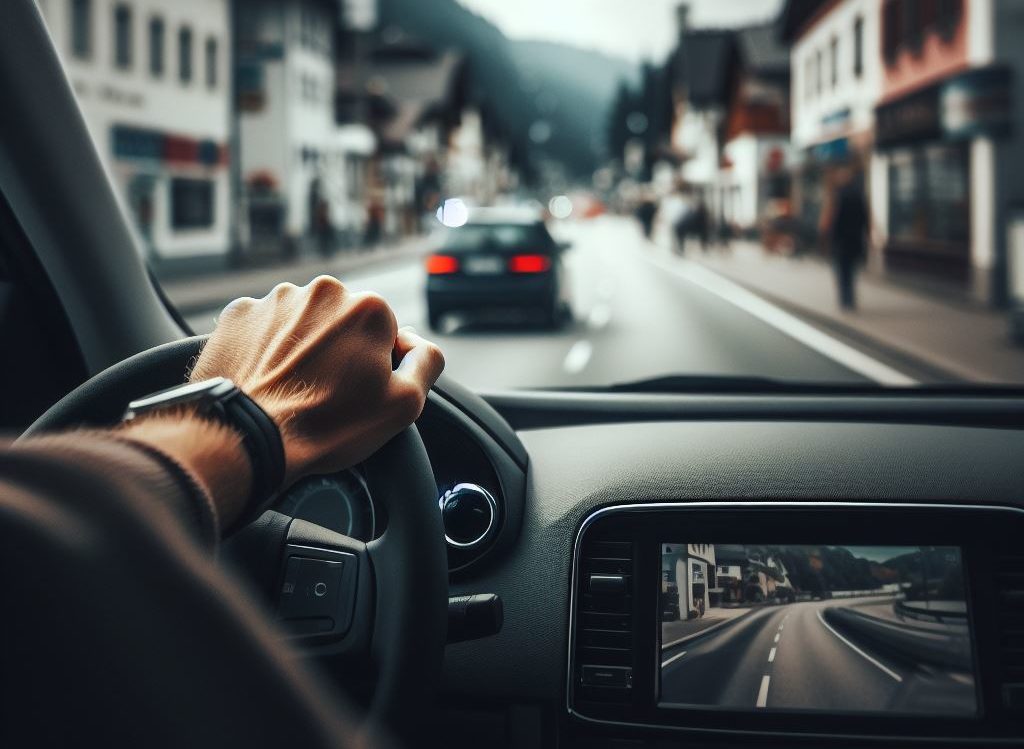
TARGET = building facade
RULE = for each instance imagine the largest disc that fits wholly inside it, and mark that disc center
(836, 74)
(302, 172)
(690, 568)
(153, 81)
(943, 130)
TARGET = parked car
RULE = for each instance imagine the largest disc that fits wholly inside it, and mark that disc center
(501, 259)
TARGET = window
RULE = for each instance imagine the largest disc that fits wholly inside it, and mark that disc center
(929, 194)
(122, 36)
(809, 78)
(81, 28)
(191, 203)
(858, 47)
(185, 54)
(211, 62)
(818, 75)
(833, 56)
(948, 17)
(156, 46)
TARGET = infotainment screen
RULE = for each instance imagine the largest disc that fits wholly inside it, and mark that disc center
(866, 629)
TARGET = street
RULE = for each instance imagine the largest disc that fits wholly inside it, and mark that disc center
(639, 312)
(795, 657)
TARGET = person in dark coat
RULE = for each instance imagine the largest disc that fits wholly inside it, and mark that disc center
(849, 229)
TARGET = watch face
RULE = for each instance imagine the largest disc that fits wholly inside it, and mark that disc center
(210, 390)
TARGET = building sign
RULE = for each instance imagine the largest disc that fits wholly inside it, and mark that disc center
(973, 103)
(977, 102)
(139, 143)
(832, 151)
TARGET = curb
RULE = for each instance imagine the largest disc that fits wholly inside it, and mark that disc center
(709, 630)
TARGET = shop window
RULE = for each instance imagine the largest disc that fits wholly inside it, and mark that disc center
(156, 47)
(858, 47)
(191, 203)
(81, 28)
(211, 62)
(928, 194)
(185, 54)
(122, 36)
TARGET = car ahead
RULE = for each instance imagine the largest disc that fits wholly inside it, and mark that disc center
(501, 259)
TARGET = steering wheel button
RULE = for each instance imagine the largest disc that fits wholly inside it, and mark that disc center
(311, 588)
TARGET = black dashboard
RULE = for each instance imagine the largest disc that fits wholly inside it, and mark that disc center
(578, 455)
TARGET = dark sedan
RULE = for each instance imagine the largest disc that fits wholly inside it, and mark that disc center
(500, 260)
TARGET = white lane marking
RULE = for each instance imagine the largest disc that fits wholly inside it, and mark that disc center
(777, 636)
(762, 693)
(783, 624)
(792, 326)
(599, 316)
(860, 652)
(673, 658)
(785, 617)
(771, 655)
(578, 357)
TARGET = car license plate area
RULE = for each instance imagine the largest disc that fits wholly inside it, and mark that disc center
(484, 265)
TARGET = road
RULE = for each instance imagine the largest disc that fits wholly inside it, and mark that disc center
(639, 313)
(790, 657)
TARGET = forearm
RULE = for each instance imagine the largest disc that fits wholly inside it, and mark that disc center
(213, 453)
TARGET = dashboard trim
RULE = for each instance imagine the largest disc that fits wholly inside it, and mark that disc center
(782, 506)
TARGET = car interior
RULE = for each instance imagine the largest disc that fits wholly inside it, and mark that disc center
(523, 570)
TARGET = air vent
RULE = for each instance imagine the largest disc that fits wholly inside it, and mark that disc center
(604, 621)
(1009, 579)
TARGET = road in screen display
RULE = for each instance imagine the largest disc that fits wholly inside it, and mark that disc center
(877, 653)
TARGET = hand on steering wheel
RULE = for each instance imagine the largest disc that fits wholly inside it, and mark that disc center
(320, 361)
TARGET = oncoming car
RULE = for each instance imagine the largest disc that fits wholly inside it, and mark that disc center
(500, 260)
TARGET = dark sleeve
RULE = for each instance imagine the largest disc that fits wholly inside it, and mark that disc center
(117, 627)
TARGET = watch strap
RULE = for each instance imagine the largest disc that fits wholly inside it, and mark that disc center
(262, 441)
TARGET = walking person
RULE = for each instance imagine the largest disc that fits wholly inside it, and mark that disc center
(848, 234)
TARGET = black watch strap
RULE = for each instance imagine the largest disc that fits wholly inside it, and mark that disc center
(262, 441)
(223, 400)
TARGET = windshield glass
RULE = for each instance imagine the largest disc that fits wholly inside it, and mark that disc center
(752, 194)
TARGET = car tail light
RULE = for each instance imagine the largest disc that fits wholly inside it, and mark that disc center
(438, 265)
(529, 263)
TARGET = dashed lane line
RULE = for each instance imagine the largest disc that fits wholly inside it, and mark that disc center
(762, 693)
(578, 356)
(771, 655)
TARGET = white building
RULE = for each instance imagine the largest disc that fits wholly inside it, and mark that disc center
(152, 78)
(836, 74)
(692, 568)
(299, 167)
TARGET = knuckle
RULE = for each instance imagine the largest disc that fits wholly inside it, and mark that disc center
(375, 314)
(325, 286)
(237, 307)
(282, 290)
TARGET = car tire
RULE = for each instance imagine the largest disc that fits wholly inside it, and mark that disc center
(434, 319)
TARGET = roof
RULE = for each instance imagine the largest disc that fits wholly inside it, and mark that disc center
(794, 16)
(409, 88)
(702, 64)
(762, 49)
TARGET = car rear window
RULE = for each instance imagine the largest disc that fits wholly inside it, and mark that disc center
(500, 237)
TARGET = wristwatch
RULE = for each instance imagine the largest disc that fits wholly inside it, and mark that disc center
(220, 399)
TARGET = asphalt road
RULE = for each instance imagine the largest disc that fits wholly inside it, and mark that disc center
(788, 657)
(638, 313)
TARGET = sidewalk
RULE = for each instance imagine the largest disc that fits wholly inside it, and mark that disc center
(957, 342)
(205, 292)
(674, 633)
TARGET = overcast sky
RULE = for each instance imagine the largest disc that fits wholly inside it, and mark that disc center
(635, 29)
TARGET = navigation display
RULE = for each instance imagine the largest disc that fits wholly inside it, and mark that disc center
(867, 629)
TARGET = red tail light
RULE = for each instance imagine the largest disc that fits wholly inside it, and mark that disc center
(529, 263)
(438, 265)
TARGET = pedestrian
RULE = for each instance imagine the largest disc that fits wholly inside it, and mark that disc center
(702, 224)
(848, 234)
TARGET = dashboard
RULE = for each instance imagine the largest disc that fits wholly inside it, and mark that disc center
(926, 483)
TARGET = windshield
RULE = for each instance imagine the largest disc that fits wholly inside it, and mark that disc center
(751, 194)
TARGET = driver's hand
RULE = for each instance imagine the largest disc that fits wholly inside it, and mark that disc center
(328, 365)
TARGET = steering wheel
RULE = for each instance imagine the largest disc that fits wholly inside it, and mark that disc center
(389, 601)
